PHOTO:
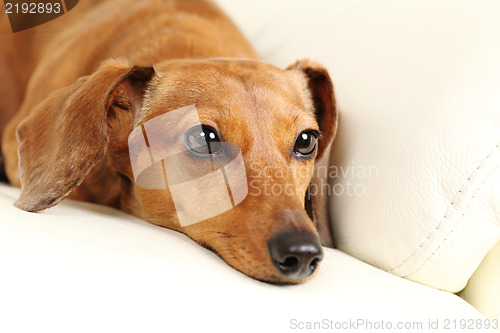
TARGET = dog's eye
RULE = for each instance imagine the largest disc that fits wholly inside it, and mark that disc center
(202, 140)
(305, 144)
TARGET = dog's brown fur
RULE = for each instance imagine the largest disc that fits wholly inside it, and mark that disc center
(74, 89)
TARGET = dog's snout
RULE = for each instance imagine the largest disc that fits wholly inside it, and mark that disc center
(296, 255)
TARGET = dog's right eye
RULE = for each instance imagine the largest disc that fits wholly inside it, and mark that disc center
(202, 141)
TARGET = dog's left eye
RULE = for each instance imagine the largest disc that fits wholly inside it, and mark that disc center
(305, 144)
(202, 140)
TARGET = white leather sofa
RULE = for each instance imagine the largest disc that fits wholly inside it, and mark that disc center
(417, 85)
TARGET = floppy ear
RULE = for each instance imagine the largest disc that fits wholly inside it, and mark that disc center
(320, 88)
(66, 135)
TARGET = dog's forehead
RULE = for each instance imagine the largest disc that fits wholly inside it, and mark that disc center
(218, 81)
(237, 86)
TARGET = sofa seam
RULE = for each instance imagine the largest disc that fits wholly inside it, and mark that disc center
(454, 227)
(444, 218)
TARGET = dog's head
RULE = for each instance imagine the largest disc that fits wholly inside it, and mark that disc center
(221, 150)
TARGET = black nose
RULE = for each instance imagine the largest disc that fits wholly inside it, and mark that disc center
(295, 254)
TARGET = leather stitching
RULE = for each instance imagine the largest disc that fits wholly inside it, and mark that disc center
(441, 223)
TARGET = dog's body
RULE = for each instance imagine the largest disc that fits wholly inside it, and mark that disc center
(75, 88)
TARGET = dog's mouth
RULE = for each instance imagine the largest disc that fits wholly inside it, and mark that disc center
(210, 248)
(293, 256)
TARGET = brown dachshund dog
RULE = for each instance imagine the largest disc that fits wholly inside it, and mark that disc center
(75, 89)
